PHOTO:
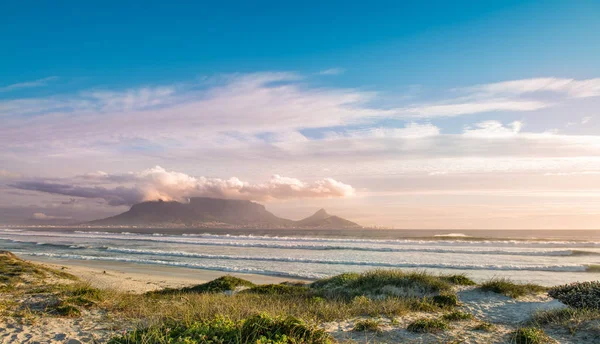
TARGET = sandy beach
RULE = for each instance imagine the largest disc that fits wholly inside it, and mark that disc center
(139, 278)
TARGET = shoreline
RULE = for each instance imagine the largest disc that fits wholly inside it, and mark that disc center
(140, 278)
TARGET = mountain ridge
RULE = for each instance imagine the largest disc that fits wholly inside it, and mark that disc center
(205, 211)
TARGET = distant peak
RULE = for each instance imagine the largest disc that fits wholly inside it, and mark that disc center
(321, 212)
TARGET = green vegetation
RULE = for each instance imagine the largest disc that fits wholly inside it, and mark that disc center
(530, 335)
(261, 329)
(484, 326)
(278, 289)
(457, 316)
(507, 287)
(427, 326)
(219, 285)
(381, 282)
(458, 280)
(445, 300)
(67, 311)
(581, 295)
(15, 271)
(367, 325)
(570, 318)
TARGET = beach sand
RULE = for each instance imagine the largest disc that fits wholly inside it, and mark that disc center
(140, 278)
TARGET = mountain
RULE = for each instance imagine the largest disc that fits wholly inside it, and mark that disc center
(322, 219)
(204, 211)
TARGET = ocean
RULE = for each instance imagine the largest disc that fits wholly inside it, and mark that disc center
(537, 256)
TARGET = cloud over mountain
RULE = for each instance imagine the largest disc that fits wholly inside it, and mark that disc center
(158, 183)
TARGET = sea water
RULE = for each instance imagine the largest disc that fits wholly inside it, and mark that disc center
(544, 257)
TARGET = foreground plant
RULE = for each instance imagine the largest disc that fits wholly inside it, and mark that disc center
(530, 335)
(509, 288)
(580, 295)
(259, 328)
(427, 326)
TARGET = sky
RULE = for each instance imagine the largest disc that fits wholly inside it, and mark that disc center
(431, 114)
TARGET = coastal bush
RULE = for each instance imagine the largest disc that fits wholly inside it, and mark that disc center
(484, 326)
(445, 300)
(530, 335)
(457, 316)
(458, 280)
(367, 325)
(65, 310)
(278, 289)
(427, 326)
(507, 287)
(580, 295)
(258, 328)
(219, 285)
(378, 283)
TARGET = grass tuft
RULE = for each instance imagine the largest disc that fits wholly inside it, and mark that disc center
(457, 316)
(485, 326)
(507, 287)
(427, 326)
(367, 325)
(458, 280)
(67, 311)
(260, 328)
(445, 300)
(530, 335)
(278, 289)
(219, 285)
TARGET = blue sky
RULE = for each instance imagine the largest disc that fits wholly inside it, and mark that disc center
(465, 112)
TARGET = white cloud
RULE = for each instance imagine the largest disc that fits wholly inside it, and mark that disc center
(570, 87)
(28, 84)
(157, 183)
(493, 129)
(43, 216)
(332, 71)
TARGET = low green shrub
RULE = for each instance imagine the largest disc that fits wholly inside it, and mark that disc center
(65, 310)
(530, 335)
(259, 328)
(457, 316)
(367, 325)
(507, 287)
(445, 300)
(458, 280)
(580, 295)
(427, 326)
(485, 326)
(219, 285)
(278, 289)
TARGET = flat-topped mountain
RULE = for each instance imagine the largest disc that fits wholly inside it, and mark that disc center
(203, 211)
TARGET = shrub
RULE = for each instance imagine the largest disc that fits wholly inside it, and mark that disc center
(485, 326)
(378, 283)
(578, 295)
(530, 335)
(367, 325)
(458, 280)
(427, 326)
(278, 289)
(219, 285)
(457, 316)
(67, 311)
(507, 287)
(445, 300)
(255, 329)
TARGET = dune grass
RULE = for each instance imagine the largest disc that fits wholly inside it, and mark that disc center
(457, 316)
(219, 285)
(427, 326)
(484, 326)
(569, 318)
(511, 289)
(367, 325)
(260, 329)
(530, 335)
